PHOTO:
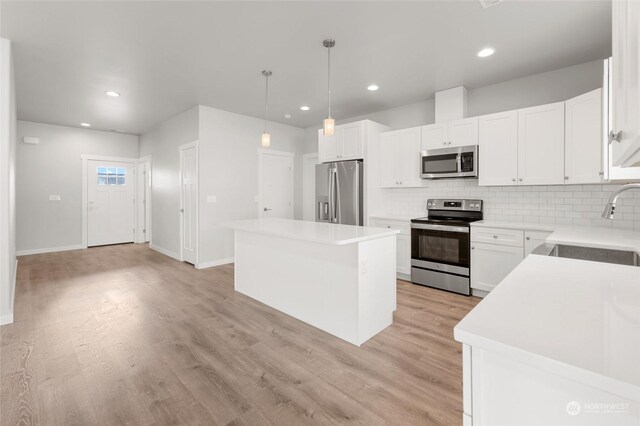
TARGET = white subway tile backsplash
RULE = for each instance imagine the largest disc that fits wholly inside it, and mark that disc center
(570, 204)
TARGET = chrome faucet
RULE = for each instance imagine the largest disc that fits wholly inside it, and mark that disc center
(610, 208)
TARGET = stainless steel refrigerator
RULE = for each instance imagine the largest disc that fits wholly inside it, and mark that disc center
(339, 192)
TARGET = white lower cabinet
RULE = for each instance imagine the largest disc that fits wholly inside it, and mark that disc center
(491, 263)
(403, 242)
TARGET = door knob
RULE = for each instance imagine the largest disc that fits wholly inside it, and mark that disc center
(266, 209)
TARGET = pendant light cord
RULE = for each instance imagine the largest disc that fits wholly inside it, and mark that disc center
(329, 79)
(266, 102)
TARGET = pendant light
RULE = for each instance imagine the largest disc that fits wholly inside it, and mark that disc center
(329, 123)
(266, 137)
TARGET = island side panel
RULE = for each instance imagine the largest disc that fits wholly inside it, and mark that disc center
(313, 282)
(377, 288)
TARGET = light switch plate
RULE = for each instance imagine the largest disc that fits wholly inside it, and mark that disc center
(212, 199)
(54, 198)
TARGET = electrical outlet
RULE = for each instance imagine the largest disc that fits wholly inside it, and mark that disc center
(54, 198)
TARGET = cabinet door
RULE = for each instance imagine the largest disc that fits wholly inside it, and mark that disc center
(626, 82)
(583, 144)
(329, 147)
(352, 138)
(434, 136)
(409, 157)
(498, 149)
(403, 254)
(533, 239)
(463, 132)
(541, 145)
(389, 159)
(491, 263)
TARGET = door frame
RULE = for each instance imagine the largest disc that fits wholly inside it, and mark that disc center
(85, 188)
(261, 153)
(143, 212)
(181, 150)
(306, 162)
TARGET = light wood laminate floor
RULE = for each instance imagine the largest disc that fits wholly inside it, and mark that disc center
(125, 335)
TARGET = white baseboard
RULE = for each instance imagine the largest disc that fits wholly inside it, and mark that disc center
(212, 263)
(164, 251)
(6, 319)
(49, 250)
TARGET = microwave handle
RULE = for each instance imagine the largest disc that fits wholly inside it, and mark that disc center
(459, 163)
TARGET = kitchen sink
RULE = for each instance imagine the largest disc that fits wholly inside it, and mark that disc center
(620, 257)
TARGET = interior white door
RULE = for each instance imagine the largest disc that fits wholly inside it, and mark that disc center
(309, 186)
(276, 185)
(189, 203)
(111, 189)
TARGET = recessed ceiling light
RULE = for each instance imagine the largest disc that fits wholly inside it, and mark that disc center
(373, 88)
(487, 51)
(287, 116)
(305, 108)
(85, 124)
(112, 94)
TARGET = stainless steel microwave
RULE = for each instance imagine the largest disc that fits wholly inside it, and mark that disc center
(458, 162)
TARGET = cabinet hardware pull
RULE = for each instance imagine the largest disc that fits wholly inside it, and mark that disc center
(615, 136)
(528, 238)
(513, 179)
(495, 236)
(566, 178)
(520, 179)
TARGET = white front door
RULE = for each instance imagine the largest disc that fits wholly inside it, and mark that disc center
(276, 185)
(189, 202)
(111, 198)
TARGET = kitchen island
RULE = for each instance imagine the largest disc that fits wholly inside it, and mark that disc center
(338, 278)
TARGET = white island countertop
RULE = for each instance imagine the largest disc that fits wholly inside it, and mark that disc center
(318, 232)
(574, 318)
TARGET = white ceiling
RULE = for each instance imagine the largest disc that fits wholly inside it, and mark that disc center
(165, 57)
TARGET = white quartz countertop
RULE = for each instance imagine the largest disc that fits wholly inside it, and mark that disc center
(319, 232)
(617, 239)
(575, 318)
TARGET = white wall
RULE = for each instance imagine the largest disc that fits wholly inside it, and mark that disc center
(229, 146)
(7, 183)
(54, 167)
(162, 144)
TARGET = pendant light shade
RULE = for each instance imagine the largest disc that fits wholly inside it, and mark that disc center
(266, 137)
(329, 123)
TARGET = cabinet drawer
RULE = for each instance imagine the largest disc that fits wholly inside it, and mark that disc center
(506, 237)
(402, 226)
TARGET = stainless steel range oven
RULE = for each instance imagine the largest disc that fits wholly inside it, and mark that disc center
(440, 244)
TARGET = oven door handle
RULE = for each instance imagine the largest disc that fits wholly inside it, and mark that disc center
(459, 163)
(460, 229)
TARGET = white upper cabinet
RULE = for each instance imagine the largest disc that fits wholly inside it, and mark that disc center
(625, 88)
(498, 149)
(434, 136)
(400, 158)
(347, 143)
(541, 145)
(450, 134)
(463, 132)
(583, 144)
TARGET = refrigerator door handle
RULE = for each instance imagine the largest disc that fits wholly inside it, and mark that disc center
(336, 194)
(331, 203)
